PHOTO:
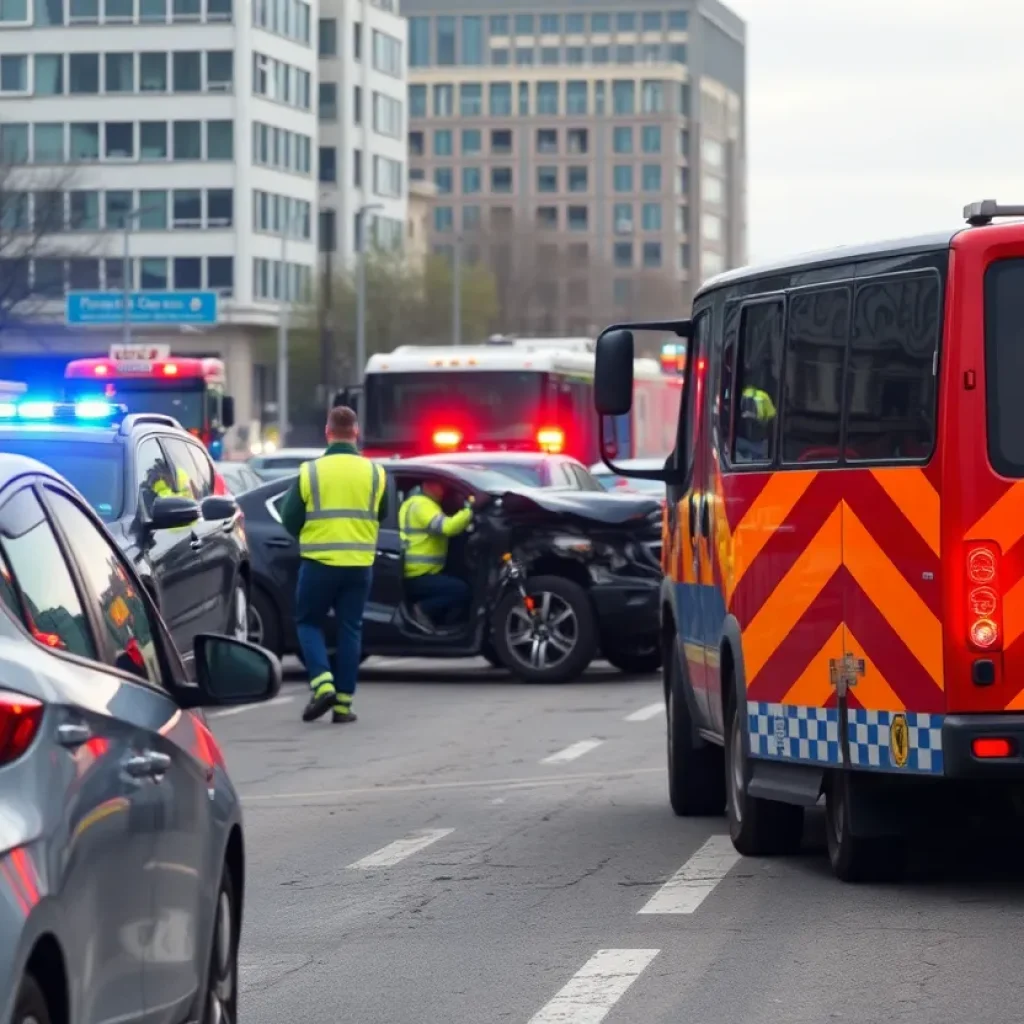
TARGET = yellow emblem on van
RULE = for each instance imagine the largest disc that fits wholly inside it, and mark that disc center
(899, 740)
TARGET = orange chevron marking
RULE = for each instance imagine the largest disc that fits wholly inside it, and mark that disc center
(1003, 522)
(1017, 704)
(794, 594)
(872, 690)
(1013, 613)
(913, 494)
(892, 595)
(768, 512)
(814, 687)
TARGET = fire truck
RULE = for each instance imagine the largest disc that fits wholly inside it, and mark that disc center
(530, 394)
(147, 378)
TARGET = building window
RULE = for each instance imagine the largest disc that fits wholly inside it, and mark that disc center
(547, 97)
(220, 274)
(357, 41)
(576, 97)
(500, 99)
(622, 178)
(547, 179)
(471, 141)
(119, 140)
(419, 42)
(677, 53)
(650, 138)
(443, 142)
(547, 218)
(575, 55)
(714, 190)
(153, 210)
(652, 97)
(524, 99)
(622, 140)
(387, 116)
(713, 153)
(682, 219)
(472, 40)
(443, 180)
(624, 97)
(220, 140)
(443, 218)
(650, 216)
(524, 57)
(14, 12)
(444, 100)
(678, 21)
(417, 101)
(327, 37)
(651, 21)
(622, 218)
(49, 74)
(524, 24)
(188, 140)
(625, 22)
(387, 177)
(84, 209)
(550, 56)
(472, 181)
(547, 140)
(625, 54)
(684, 257)
(576, 141)
(85, 142)
(387, 54)
(188, 71)
(153, 140)
(48, 143)
(84, 73)
(119, 72)
(153, 72)
(711, 227)
(13, 74)
(501, 179)
(577, 218)
(599, 55)
(600, 23)
(188, 209)
(577, 179)
(220, 70)
(622, 254)
(416, 146)
(471, 99)
(498, 25)
(550, 24)
(357, 168)
(188, 272)
(445, 40)
(471, 218)
(651, 178)
(499, 56)
(327, 101)
(328, 164)
(501, 142)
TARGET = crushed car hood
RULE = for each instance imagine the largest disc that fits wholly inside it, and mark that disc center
(594, 506)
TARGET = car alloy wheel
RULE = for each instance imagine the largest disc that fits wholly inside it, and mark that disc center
(220, 997)
(241, 628)
(547, 639)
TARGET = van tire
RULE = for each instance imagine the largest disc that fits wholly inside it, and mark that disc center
(857, 858)
(757, 827)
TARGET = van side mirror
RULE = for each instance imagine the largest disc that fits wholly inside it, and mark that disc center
(227, 412)
(613, 373)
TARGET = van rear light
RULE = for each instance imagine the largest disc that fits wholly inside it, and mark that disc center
(984, 597)
(19, 722)
(447, 438)
(987, 747)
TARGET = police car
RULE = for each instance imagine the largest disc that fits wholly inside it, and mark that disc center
(161, 499)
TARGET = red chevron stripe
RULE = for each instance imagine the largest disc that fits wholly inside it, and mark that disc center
(741, 491)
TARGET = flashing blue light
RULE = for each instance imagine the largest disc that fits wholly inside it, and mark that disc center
(95, 410)
(89, 410)
(36, 410)
(8, 410)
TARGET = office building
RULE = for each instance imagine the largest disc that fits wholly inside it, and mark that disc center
(594, 157)
(362, 125)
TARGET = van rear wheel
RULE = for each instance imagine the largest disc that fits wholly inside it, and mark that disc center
(856, 858)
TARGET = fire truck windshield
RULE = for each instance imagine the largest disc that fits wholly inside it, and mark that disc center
(186, 406)
(481, 405)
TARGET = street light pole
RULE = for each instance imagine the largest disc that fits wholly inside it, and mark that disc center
(361, 286)
(282, 344)
(126, 269)
(457, 292)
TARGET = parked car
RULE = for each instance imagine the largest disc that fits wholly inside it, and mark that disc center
(122, 831)
(530, 469)
(238, 476)
(156, 490)
(284, 462)
(591, 562)
(613, 482)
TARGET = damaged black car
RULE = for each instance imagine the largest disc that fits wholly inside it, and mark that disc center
(558, 579)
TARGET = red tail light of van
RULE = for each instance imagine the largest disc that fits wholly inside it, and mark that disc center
(984, 597)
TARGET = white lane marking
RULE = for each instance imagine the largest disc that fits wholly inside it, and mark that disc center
(251, 707)
(591, 993)
(651, 711)
(691, 885)
(571, 753)
(414, 787)
(498, 800)
(397, 851)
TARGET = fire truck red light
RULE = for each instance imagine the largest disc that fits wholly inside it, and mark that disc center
(171, 369)
(447, 438)
(100, 371)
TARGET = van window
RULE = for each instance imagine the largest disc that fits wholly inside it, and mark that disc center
(1004, 365)
(817, 327)
(891, 379)
(759, 359)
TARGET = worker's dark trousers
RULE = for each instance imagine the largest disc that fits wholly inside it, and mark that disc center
(445, 599)
(321, 588)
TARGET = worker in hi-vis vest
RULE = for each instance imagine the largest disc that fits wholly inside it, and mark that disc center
(438, 599)
(335, 509)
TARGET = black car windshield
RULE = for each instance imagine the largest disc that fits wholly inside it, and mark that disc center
(96, 470)
(481, 405)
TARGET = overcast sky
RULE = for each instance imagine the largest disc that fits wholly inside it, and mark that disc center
(870, 119)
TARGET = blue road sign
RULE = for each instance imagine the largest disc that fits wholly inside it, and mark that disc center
(82, 309)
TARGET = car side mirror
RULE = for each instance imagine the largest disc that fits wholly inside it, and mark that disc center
(227, 412)
(171, 513)
(230, 671)
(613, 373)
(218, 507)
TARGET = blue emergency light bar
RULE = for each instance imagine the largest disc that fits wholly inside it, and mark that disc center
(87, 411)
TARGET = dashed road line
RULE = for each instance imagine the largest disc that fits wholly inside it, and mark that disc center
(691, 885)
(572, 752)
(397, 851)
(592, 992)
(250, 707)
(651, 711)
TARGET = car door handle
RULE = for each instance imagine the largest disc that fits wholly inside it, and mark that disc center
(73, 734)
(146, 765)
(195, 544)
(279, 542)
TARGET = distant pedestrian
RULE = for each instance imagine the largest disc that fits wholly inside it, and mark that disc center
(334, 510)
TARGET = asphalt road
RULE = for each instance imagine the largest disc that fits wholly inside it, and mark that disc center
(476, 850)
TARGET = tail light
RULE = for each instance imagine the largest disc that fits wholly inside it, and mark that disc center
(989, 747)
(984, 597)
(19, 722)
(220, 488)
(447, 438)
(551, 440)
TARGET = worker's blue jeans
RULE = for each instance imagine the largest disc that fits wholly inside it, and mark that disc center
(321, 588)
(444, 599)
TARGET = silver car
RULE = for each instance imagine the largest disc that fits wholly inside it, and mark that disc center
(122, 856)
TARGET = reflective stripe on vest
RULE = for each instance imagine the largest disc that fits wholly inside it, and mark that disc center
(424, 545)
(342, 510)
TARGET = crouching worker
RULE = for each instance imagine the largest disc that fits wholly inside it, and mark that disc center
(334, 510)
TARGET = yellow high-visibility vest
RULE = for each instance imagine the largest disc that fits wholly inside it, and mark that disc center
(343, 495)
(424, 530)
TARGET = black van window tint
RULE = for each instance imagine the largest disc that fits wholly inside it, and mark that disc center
(817, 326)
(1004, 365)
(759, 359)
(723, 411)
(696, 359)
(891, 381)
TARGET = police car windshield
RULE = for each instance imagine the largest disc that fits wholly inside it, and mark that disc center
(96, 470)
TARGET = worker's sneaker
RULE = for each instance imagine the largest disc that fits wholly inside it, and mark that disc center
(322, 700)
(340, 717)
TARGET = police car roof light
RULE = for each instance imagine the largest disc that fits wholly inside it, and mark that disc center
(41, 410)
(984, 212)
